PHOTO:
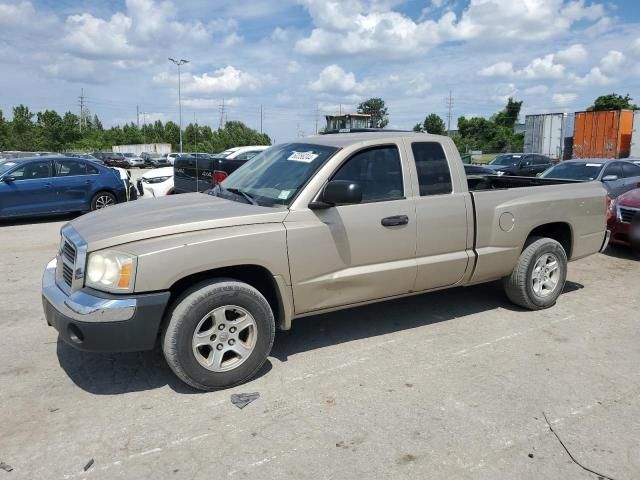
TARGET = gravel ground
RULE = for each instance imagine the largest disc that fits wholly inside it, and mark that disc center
(444, 385)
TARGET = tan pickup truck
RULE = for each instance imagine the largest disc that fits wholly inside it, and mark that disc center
(320, 224)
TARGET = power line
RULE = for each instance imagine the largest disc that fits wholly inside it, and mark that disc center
(82, 105)
(449, 104)
(222, 115)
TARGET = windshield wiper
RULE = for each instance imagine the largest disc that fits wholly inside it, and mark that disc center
(248, 197)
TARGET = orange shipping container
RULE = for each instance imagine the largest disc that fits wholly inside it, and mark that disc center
(602, 134)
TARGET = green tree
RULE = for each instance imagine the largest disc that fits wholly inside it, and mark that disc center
(172, 134)
(377, 109)
(613, 101)
(49, 125)
(4, 133)
(431, 124)
(508, 116)
(22, 128)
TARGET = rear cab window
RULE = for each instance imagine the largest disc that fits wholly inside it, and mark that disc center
(434, 175)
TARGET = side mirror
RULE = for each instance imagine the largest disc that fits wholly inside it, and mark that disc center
(8, 179)
(609, 178)
(338, 192)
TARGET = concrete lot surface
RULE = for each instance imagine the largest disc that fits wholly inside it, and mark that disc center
(445, 385)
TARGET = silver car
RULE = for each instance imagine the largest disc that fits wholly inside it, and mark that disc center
(617, 176)
(134, 160)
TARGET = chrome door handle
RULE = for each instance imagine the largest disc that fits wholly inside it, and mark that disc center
(394, 221)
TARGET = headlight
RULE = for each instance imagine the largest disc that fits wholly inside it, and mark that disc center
(111, 271)
(156, 179)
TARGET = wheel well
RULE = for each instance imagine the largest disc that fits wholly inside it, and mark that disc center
(258, 277)
(559, 231)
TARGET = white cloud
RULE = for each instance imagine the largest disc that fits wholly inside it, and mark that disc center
(595, 77)
(375, 28)
(563, 99)
(334, 79)
(575, 54)
(612, 62)
(538, 68)
(500, 69)
(635, 47)
(227, 79)
(544, 67)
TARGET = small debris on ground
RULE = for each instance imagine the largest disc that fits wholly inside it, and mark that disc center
(53, 409)
(531, 455)
(88, 465)
(6, 467)
(241, 400)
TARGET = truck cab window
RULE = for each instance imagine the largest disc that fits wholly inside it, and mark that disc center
(433, 170)
(378, 171)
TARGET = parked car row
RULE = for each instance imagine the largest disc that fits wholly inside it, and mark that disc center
(47, 185)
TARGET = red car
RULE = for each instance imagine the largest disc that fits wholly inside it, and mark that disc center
(623, 219)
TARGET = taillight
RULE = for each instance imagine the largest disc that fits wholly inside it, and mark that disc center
(217, 177)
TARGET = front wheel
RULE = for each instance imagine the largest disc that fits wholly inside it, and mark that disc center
(102, 200)
(539, 276)
(218, 334)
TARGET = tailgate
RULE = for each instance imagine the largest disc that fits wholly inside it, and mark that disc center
(184, 175)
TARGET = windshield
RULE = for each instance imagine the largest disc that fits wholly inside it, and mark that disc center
(509, 159)
(224, 154)
(574, 171)
(6, 166)
(274, 176)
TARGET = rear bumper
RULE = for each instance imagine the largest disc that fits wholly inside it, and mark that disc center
(99, 322)
(605, 242)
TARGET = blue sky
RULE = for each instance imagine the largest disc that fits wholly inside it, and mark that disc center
(302, 59)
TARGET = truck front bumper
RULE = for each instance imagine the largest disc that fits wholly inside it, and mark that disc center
(95, 321)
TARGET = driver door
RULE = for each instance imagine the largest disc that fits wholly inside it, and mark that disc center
(344, 254)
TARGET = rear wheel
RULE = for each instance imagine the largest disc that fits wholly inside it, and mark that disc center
(539, 276)
(218, 334)
(102, 200)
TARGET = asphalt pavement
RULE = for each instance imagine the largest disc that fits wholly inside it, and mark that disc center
(450, 385)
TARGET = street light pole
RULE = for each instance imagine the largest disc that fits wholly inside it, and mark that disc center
(179, 63)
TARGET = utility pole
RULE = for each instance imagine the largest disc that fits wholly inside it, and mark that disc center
(195, 119)
(179, 63)
(144, 130)
(449, 104)
(138, 115)
(81, 98)
(261, 118)
(340, 109)
(316, 117)
(221, 115)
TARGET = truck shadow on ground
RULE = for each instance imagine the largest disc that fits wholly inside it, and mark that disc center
(8, 222)
(624, 253)
(112, 374)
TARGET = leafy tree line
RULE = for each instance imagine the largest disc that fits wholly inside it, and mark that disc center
(477, 133)
(48, 131)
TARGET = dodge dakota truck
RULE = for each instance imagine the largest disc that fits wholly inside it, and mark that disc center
(320, 224)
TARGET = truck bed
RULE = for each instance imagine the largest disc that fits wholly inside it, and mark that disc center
(507, 210)
(495, 182)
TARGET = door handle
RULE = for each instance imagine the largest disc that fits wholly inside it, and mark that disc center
(394, 221)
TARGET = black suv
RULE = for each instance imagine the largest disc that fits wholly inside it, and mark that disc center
(520, 164)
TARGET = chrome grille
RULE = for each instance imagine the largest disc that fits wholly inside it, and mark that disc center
(67, 274)
(69, 251)
(627, 214)
(72, 256)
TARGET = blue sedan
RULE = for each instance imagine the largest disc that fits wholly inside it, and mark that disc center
(52, 185)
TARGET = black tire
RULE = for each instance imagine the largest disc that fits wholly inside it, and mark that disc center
(96, 201)
(519, 285)
(188, 311)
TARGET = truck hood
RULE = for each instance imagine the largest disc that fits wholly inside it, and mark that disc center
(170, 215)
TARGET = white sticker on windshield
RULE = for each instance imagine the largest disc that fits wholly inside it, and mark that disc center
(593, 164)
(306, 157)
(284, 194)
(516, 156)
